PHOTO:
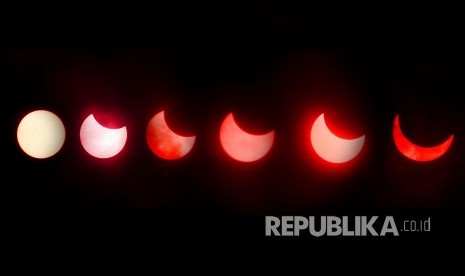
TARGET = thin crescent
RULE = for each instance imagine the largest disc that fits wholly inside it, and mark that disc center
(414, 152)
(99, 141)
(331, 147)
(241, 145)
(158, 126)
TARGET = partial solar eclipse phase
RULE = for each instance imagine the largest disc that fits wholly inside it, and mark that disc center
(332, 148)
(164, 142)
(99, 141)
(415, 152)
(241, 145)
(41, 134)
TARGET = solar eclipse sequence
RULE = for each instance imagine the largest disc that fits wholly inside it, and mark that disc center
(41, 134)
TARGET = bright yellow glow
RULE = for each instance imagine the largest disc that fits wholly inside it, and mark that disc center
(41, 134)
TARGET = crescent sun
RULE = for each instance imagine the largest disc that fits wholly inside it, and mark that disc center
(241, 145)
(164, 142)
(99, 141)
(418, 153)
(331, 147)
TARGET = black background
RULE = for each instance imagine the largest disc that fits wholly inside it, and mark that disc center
(276, 66)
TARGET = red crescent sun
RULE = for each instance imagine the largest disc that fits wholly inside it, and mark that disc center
(164, 142)
(417, 153)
